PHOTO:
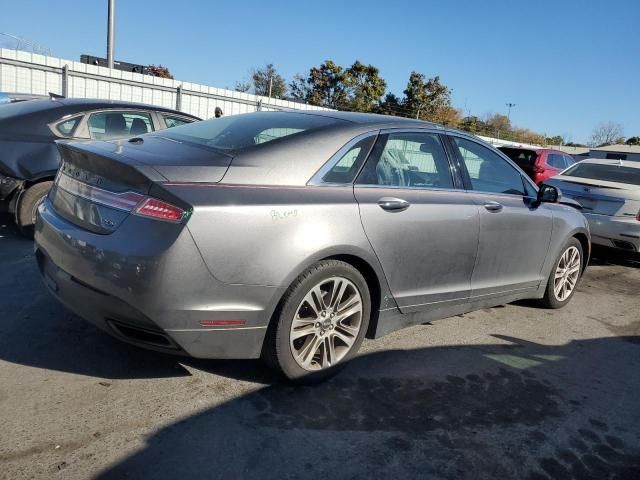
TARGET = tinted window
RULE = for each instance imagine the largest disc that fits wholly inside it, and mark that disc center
(556, 161)
(616, 156)
(171, 122)
(408, 160)
(241, 131)
(524, 158)
(609, 173)
(67, 127)
(569, 160)
(109, 125)
(346, 169)
(487, 170)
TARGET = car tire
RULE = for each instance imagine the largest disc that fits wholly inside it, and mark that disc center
(27, 206)
(553, 299)
(326, 323)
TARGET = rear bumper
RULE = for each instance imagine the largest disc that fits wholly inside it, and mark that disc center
(150, 287)
(622, 233)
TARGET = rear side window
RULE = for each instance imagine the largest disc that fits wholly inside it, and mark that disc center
(346, 169)
(67, 127)
(556, 161)
(569, 160)
(171, 121)
(236, 132)
(110, 125)
(408, 159)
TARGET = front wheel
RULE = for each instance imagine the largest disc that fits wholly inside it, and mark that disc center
(28, 205)
(565, 275)
(321, 322)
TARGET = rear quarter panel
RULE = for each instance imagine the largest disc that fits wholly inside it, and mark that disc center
(259, 235)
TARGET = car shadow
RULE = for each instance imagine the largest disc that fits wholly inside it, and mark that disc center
(513, 409)
(604, 256)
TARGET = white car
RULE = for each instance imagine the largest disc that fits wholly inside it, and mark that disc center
(609, 192)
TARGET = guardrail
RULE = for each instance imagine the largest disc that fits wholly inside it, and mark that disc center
(26, 72)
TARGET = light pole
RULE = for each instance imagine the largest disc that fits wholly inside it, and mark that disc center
(509, 106)
(111, 31)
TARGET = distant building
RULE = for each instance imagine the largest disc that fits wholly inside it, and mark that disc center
(617, 152)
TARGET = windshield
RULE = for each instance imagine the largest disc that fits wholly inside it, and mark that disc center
(608, 173)
(241, 131)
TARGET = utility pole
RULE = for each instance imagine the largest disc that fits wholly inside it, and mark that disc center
(509, 106)
(111, 31)
(270, 84)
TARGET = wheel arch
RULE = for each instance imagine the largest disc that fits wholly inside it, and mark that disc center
(586, 247)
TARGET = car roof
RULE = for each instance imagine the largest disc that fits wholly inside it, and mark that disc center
(73, 105)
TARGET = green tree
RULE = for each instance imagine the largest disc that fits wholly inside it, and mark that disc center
(498, 124)
(633, 141)
(299, 88)
(556, 140)
(327, 87)
(364, 87)
(391, 105)
(472, 124)
(267, 80)
(426, 98)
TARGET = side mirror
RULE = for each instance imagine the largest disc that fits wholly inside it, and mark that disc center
(548, 194)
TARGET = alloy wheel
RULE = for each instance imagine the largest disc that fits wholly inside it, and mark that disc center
(567, 273)
(326, 324)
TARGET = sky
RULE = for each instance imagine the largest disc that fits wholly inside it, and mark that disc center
(568, 65)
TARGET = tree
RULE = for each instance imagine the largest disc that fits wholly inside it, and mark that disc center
(364, 87)
(608, 133)
(390, 105)
(472, 124)
(299, 88)
(425, 99)
(498, 123)
(556, 140)
(448, 116)
(327, 87)
(267, 80)
(633, 141)
(159, 71)
(242, 86)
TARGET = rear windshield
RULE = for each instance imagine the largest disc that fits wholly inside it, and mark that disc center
(241, 131)
(524, 158)
(608, 173)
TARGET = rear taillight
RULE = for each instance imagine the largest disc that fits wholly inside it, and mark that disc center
(125, 201)
(152, 207)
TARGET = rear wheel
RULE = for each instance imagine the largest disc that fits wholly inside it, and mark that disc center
(565, 275)
(321, 322)
(28, 205)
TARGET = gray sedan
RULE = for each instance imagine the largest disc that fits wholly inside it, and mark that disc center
(292, 236)
(609, 192)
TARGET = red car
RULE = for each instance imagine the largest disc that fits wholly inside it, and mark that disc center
(539, 164)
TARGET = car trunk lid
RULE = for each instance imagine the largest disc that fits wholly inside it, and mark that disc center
(100, 184)
(601, 197)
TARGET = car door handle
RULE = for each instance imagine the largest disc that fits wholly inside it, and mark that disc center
(493, 206)
(391, 204)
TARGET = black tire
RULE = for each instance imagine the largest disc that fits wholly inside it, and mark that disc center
(277, 352)
(27, 206)
(550, 299)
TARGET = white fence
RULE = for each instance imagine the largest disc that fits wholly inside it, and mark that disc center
(25, 72)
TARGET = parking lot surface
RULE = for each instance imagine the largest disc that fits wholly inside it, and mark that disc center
(509, 392)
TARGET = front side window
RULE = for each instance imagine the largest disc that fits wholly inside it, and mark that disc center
(110, 125)
(408, 159)
(488, 171)
(346, 169)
